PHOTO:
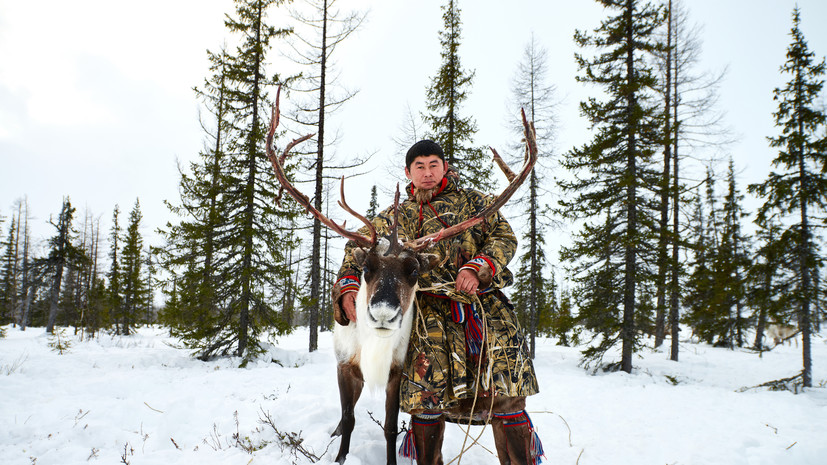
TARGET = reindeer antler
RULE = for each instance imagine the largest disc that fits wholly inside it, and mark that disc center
(503, 166)
(303, 200)
(515, 181)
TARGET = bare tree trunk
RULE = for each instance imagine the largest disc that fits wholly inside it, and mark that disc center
(674, 296)
(739, 300)
(817, 299)
(26, 292)
(14, 269)
(326, 305)
(287, 303)
(664, 194)
(315, 255)
(535, 269)
(53, 300)
(804, 270)
(246, 286)
(628, 331)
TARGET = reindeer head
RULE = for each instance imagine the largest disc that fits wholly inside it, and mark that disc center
(389, 282)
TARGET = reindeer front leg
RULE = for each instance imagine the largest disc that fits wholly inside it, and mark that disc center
(351, 382)
(392, 412)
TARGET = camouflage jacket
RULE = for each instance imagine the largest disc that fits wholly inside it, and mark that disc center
(487, 247)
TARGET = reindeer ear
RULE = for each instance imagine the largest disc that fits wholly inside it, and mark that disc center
(427, 262)
(360, 255)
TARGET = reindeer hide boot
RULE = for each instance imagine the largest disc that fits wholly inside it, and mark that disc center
(517, 442)
(423, 442)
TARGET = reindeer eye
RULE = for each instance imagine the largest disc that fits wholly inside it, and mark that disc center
(412, 268)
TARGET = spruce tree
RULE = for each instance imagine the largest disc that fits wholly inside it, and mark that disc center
(718, 283)
(244, 264)
(447, 92)
(599, 287)
(735, 259)
(62, 254)
(134, 285)
(564, 325)
(262, 231)
(114, 291)
(768, 278)
(700, 283)
(9, 274)
(798, 189)
(616, 171)
(193, 257)
(374, 204)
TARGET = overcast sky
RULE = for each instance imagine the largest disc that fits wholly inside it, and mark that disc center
(96, 97)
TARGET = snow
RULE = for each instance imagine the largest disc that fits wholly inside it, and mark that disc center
(142, 401)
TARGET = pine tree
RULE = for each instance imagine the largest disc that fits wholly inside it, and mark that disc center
(598, 293)
(614, 171)
(799, 188)
(9, 274)
(706, 298)
(769, 277)
(262, 232)
(234, 236)
(115, 292)
(531, 92)
(151, 279)
(374, 204)
(192, 257)
(62, 254)
(735, 259)
(564, 325)
(448, 90)
(134, 285)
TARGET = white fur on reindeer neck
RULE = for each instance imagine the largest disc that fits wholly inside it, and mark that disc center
(381, 348)
(373, 348)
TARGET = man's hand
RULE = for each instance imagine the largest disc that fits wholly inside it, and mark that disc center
(467, 281)
(349, 305)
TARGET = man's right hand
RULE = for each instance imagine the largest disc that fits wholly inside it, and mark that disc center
(349, 305)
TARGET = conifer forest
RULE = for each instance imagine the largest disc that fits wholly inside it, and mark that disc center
(641, 233)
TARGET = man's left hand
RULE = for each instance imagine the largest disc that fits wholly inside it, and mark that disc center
(467, 281)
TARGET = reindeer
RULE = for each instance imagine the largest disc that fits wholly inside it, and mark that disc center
(781, 333)
(372, 349)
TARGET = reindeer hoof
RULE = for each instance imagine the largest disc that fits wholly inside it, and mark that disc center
(337, 432)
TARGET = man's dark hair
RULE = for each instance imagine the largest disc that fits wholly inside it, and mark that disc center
(423, 148)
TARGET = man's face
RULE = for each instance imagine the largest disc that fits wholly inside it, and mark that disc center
(426, 172)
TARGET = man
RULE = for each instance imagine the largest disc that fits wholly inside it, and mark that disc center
(467, 348)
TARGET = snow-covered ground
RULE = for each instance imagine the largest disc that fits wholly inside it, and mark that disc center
(138, 400)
